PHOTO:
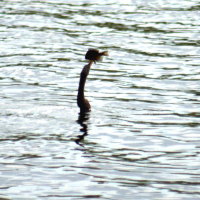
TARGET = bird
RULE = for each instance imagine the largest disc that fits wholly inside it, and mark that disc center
(92, 55)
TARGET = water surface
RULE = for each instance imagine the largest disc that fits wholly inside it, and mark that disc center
(141, 139)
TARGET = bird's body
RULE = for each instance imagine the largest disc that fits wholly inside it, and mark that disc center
(83, 103)
(92, 55)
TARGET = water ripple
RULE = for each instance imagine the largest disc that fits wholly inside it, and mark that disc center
(141, 138)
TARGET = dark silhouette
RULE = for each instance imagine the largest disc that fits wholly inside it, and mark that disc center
(82, 102)
(92, 55)
(83, 121)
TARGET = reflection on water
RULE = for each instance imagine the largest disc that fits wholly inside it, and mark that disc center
(141, 139)
(83, 121)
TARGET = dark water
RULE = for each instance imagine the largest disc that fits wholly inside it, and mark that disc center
(142, 138)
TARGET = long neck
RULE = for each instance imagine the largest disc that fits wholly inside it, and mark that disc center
(82, 81)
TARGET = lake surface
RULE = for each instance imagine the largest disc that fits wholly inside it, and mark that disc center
(142, 138)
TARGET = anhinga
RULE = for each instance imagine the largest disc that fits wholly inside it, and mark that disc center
(92, 55)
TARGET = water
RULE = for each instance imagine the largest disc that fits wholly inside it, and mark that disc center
(141, 139)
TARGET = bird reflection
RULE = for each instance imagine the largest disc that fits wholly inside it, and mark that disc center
(83, 121)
